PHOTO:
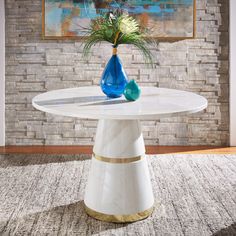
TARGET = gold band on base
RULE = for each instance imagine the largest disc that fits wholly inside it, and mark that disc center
(117, 160)
(119, 218)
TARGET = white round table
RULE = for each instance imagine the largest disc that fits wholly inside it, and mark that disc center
(119, 187)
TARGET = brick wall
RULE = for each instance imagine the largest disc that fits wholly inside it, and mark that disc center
(34, 66)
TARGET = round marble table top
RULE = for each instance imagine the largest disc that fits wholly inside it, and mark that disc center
(90, 102)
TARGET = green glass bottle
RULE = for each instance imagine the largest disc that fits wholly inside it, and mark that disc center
(132, 91)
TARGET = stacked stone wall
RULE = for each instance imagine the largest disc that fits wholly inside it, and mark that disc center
(34, 65)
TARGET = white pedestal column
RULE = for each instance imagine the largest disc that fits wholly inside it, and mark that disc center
(119, 187)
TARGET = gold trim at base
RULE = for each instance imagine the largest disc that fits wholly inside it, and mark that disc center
(117, 160)
(119, 218)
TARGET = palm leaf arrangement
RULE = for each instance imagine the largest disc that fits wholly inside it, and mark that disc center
(117, 28)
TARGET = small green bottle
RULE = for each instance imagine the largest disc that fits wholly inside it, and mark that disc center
(132, 91)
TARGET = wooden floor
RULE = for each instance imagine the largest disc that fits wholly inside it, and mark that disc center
(88, 149)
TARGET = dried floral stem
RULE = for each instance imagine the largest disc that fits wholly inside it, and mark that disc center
(116, 38)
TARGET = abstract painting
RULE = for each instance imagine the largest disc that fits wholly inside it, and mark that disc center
(162, 18)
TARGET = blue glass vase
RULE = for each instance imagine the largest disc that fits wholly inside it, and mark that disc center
(114, 78)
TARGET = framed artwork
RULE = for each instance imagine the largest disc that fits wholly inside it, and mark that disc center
(164, 19)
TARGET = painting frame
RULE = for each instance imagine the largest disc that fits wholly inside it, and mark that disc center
(81, 38)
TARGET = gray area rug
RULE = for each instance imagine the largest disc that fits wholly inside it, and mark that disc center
(43, 195)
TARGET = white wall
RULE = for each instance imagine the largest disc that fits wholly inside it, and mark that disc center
(232, 73)
(2, 73)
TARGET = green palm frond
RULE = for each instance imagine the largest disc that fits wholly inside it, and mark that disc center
(117, 29)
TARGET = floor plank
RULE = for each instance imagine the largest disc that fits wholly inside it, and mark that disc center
(89, 149)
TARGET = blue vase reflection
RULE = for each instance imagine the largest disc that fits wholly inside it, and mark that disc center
(114, 78)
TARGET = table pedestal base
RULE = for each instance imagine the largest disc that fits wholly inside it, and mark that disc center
(119, 187)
